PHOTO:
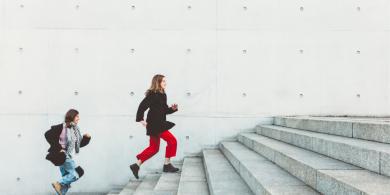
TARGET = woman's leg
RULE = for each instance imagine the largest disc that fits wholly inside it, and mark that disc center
(171, 144)
(151, 150)
(70, 176)
(70, 168)
(167, 161)
(62, 170)
(154, 145)
(170, 151)
(64, 189)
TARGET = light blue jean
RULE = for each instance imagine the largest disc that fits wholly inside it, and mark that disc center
(68, 173)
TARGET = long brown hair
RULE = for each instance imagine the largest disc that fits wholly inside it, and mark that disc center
(155, 86)
(70, 116)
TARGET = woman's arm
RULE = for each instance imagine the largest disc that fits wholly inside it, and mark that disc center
(143, 106)
(85, 140)
(172, 109)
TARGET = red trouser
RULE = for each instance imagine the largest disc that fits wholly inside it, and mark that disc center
(154, 145)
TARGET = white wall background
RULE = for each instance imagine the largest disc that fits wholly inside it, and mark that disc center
(270, 50)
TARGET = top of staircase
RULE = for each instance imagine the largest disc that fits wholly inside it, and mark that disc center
(356, 119)
(367, 128)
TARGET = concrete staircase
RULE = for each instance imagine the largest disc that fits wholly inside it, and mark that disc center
(189, 180)
(295, 155)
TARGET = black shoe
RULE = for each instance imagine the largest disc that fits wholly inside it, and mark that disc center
(135, 168)
(169, 168)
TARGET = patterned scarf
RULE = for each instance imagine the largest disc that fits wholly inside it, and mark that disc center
(73, 139)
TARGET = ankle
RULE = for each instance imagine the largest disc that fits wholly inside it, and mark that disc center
(167, 161)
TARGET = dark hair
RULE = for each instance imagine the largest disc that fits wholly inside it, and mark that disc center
(70, 116)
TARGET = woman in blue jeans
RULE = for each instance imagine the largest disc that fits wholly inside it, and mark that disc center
(65, 140)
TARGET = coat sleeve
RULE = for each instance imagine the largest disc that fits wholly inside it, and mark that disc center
(169, 110)
(84, 141)
(52, 140)
(143, 106)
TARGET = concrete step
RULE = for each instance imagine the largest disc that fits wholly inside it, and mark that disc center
(193, 178)
(114, 192)
(168, 182)
(146, 187)
(262, 176)
(130, 188)
(221, 176)
(326, 175)
(374, 129)
(370, 155)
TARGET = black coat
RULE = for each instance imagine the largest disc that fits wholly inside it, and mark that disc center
(156, 118)
(53, 137)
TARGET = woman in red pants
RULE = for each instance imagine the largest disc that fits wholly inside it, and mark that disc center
(156, 125)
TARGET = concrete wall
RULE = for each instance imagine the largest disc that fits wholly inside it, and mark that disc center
(229, 64)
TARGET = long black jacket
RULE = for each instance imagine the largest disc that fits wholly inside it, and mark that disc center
(158, 109)
(53, 137)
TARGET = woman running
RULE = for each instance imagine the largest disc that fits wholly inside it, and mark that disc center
(156, 125)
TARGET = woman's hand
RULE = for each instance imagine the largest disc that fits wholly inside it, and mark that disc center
(174, 106)
(87, 135)
(143, 123)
